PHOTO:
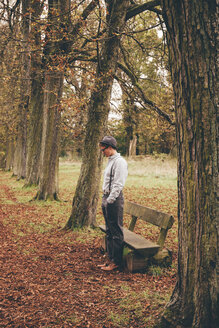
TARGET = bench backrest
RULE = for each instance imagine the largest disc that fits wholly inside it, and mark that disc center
(162, 220)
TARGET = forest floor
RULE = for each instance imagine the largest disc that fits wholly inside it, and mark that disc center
(49, 277)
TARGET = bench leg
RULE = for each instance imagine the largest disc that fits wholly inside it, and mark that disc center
(135, 262)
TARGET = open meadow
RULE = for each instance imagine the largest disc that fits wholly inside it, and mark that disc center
(49, 277)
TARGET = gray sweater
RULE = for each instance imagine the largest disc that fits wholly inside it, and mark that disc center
(119, 174)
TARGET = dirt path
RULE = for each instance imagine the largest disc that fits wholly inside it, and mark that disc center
(51, 279)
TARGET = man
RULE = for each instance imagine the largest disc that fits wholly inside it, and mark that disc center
(115, 176)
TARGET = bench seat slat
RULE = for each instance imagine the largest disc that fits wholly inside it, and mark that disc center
(140, 244)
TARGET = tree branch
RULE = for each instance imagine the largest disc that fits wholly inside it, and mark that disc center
(135, 84)
(142, 95)
(87, 11)
(137, 9)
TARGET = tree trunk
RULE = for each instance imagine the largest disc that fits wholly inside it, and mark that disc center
(54, 59)
(132, 146)
(9, 153)
(21, 142)
(87, 190)
(130, 119)
(128, 104)
(36, 102)
(35, 133)
(49, 162)
(192, 46)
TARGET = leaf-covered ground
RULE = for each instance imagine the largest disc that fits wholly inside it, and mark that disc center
(49, 277)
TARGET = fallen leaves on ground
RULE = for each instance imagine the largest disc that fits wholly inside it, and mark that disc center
(50, 278)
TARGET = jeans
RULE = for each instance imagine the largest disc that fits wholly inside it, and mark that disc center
(113, 215)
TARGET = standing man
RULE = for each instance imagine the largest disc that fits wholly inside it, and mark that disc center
(115, 176)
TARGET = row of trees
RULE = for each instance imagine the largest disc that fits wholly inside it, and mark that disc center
(78, 44)
(78, 65)
(68, 41)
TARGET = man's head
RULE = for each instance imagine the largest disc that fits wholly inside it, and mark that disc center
(108, 146)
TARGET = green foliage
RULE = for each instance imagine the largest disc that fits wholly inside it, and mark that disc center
(148, 63)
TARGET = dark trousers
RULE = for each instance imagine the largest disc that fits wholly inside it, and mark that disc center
(113, 214)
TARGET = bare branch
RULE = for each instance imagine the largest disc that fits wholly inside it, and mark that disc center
(137, 9)
(87, 11)
(142, 95)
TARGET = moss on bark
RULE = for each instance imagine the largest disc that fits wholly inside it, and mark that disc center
(191, 29)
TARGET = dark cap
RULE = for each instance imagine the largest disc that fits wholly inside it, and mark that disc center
(109, 141)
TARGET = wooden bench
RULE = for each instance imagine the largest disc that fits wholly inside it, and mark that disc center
(139, 251)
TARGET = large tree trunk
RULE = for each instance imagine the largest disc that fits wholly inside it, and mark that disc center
(192, 35)
(36, 102)
(87, 190)
(19, 167)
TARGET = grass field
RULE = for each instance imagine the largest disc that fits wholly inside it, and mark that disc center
(38, 253)
(157, 171)
(152, 181)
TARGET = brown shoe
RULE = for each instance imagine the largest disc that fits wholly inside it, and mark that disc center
(110, 267)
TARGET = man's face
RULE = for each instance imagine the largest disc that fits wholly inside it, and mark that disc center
(106, 150)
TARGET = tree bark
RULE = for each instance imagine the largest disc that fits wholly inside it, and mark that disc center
(35, 133)
(132, 146)
(54, 57)
(130, 119)
(49, 161)
(19, 166)
(87, 190)
(36, 102)
(9, 158)
(192, 29)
